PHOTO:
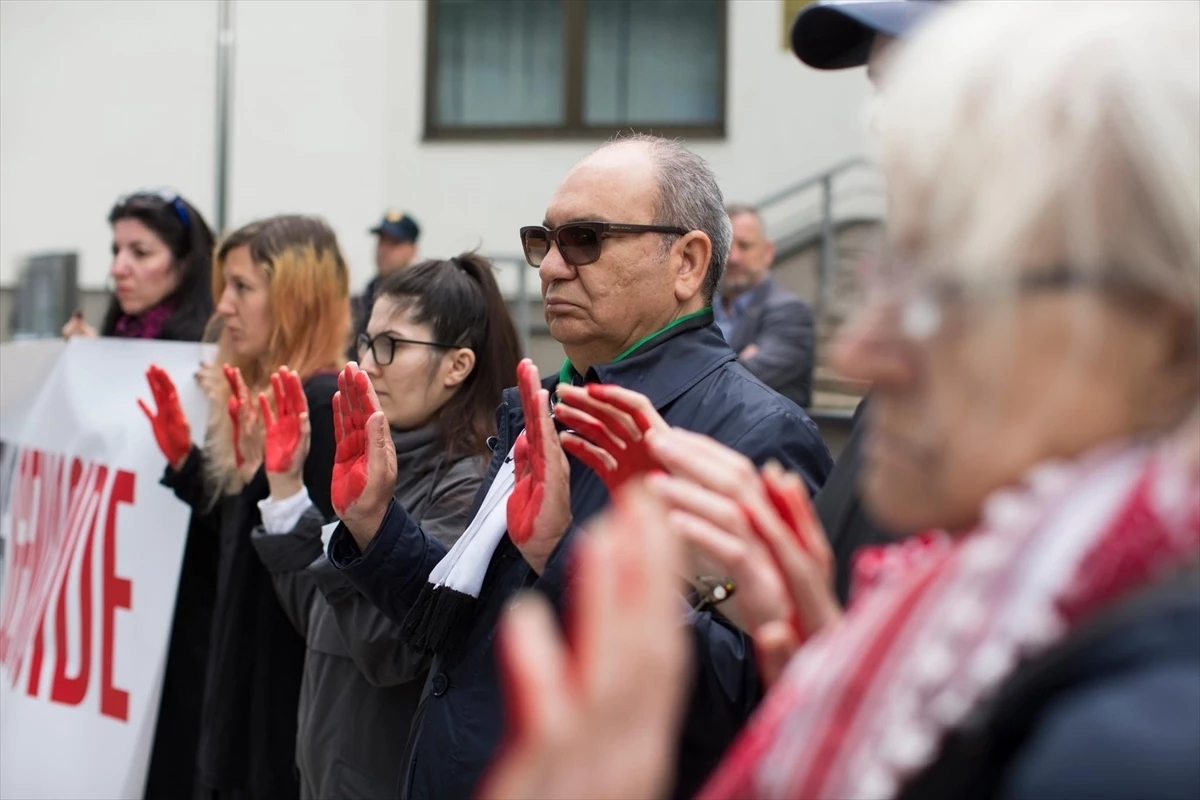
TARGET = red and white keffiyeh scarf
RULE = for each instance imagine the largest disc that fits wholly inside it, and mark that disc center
(866, 704)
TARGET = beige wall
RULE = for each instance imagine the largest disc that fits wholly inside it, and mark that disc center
(98, 97)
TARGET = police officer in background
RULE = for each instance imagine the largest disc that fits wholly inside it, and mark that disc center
(395, 248)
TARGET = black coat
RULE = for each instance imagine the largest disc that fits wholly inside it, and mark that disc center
(847, 525)
(172, 768)
(1111, 712)
(247, 738)
(694, 381)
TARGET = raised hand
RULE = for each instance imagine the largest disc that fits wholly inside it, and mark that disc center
(364, 466)
(171, 429)
(760, 530)
(598, 715)
(789, 496)
(287, 434)
(247, 425)
(539, 508)
(723, 544)
(77, 326)
(611, 426)
(209, 378)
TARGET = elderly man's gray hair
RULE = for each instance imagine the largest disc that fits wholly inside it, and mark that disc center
(688, 197)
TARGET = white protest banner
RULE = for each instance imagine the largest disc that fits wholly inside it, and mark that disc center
(93, 546)
(23, 369)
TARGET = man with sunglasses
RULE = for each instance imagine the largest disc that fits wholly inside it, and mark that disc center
(630, 252)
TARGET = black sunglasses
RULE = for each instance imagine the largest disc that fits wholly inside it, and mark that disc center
(579, 242)
(383, 346)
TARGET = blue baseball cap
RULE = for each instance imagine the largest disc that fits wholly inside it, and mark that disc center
(399, 226)
(837, 34)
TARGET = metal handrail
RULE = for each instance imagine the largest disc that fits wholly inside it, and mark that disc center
(813, 180)
(824, 181)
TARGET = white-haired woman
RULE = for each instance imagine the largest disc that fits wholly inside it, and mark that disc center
(1033, 343)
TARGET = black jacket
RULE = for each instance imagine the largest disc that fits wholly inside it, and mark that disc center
(1111, 712)
(361, 683)
(847, 525)
(248, 726)
(695, 382)
(172, 768)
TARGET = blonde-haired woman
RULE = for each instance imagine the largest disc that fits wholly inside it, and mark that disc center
(282, 294)
(1032, 344)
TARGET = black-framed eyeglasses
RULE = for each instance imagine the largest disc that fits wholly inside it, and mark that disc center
(383, 347)
(168, 197)
(579, 242)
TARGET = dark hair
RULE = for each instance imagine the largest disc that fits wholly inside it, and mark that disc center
(688, 197)
(191, 244)
(460, 302)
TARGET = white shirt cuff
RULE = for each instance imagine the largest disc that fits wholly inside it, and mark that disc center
(282, 516)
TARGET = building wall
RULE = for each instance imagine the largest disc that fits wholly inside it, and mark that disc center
(98, 97)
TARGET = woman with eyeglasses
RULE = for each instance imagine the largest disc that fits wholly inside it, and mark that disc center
(162, 259)
(283, 297)
(1032, 345)
(440, 348)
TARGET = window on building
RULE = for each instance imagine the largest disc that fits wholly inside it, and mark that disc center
(561, 68)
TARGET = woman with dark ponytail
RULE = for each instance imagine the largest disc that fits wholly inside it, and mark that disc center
(439, 348)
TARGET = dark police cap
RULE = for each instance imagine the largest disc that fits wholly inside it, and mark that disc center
(399, 226)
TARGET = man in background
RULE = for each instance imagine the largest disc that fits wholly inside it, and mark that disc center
(769, 328)
(395, 248)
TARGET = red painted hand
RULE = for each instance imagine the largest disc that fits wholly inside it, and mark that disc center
(795, 543)
(789, 496)
(539, 508)
(287, 435)
(572, 704)
(759, 530)
(247, 425)
(611, 426)
(171, 429)
(233, 377)
(529, 491)
(364, 466)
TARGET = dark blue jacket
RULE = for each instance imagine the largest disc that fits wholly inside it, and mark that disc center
(695, 382)
(1112, 713)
